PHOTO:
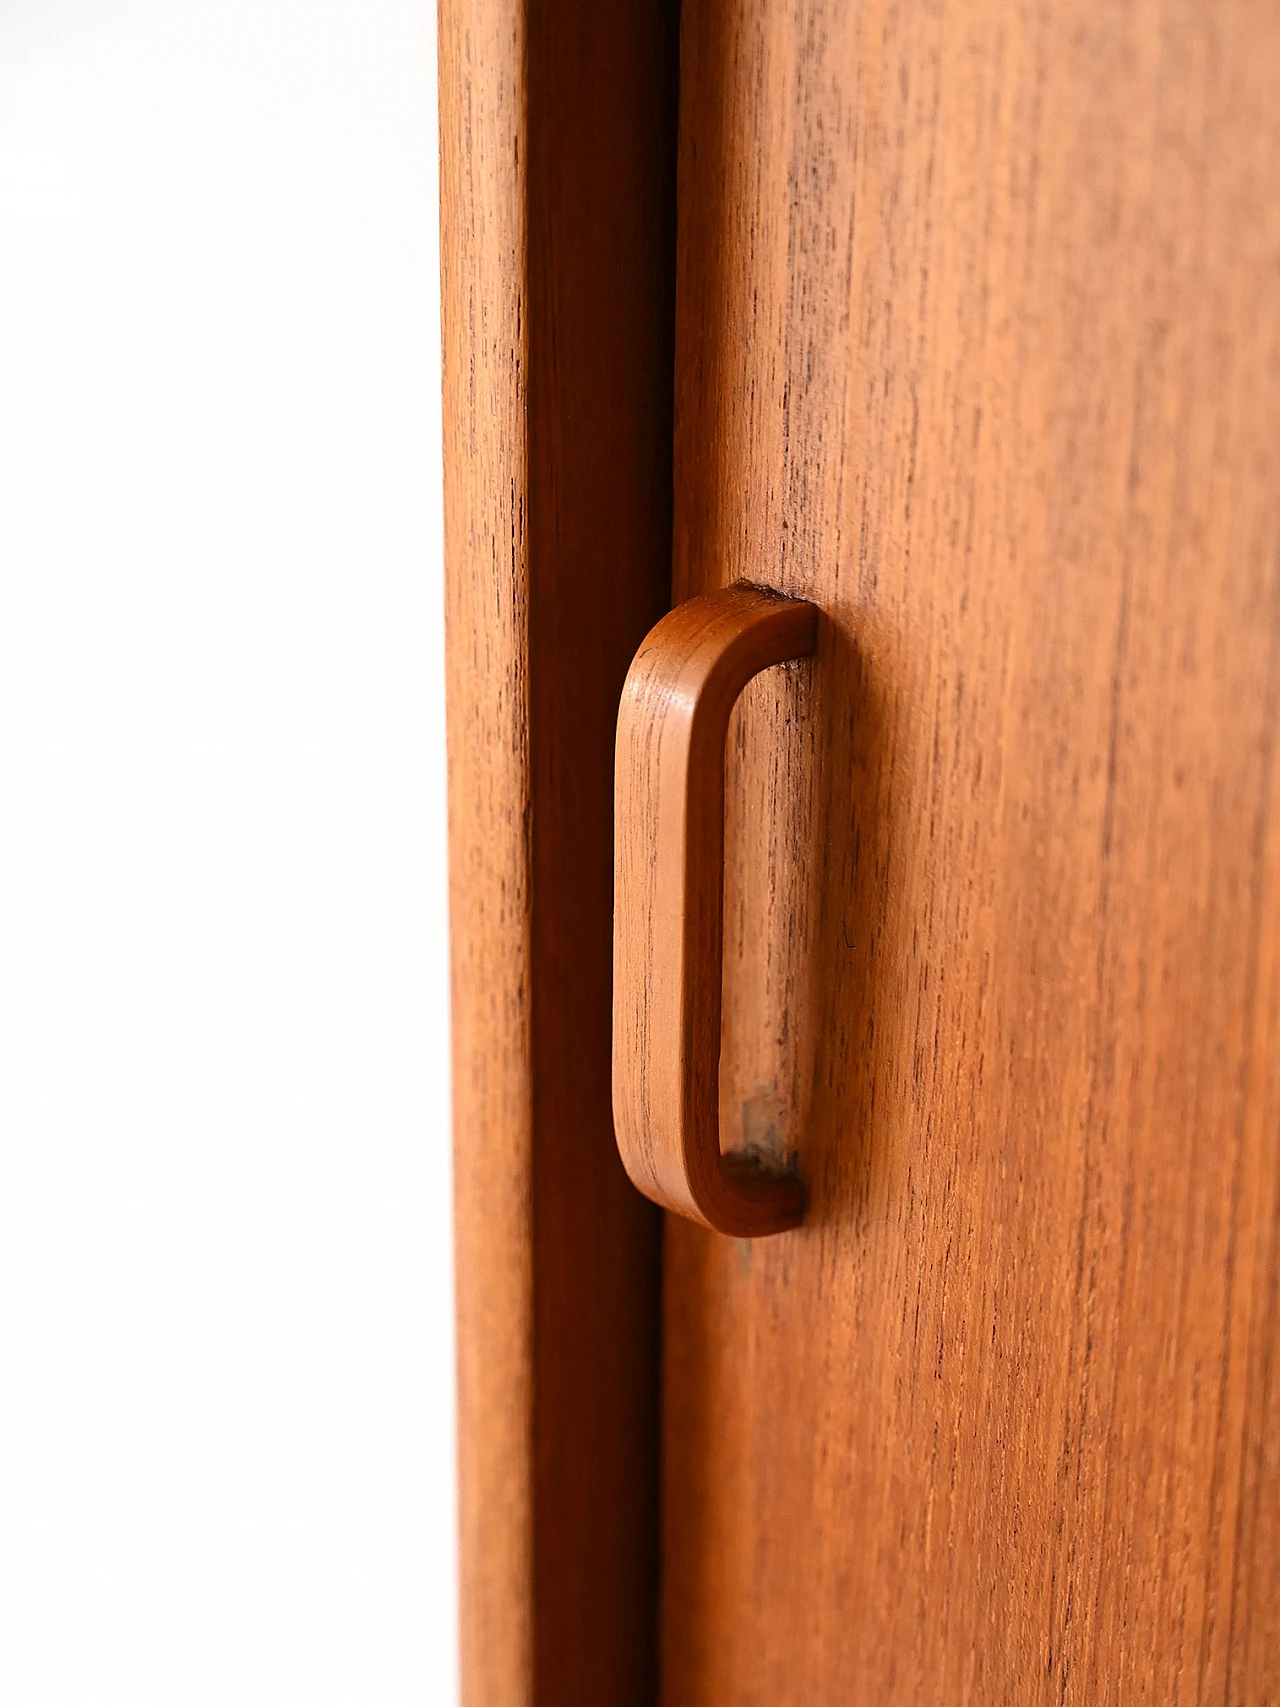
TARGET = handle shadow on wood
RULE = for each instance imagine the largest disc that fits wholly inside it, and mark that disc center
(669, 905)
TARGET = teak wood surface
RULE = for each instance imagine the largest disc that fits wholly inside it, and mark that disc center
(667, 907)
(557, 128)
(978, 348)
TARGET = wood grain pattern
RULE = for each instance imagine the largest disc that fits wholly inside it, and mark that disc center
(557, 187)
(667, 908)
(978, 347)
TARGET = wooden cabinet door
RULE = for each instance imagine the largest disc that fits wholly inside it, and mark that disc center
(973, 313)
(978, 348)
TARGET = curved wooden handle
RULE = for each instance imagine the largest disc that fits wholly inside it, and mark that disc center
(668, 905)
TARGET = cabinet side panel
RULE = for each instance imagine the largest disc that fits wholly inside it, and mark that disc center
(558, 158)
(482, 248)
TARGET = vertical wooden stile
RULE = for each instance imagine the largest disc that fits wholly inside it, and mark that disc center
(557, 242)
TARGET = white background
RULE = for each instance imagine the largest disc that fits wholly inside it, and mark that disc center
(226, 1450)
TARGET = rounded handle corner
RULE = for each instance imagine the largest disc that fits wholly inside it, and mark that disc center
(668, 925)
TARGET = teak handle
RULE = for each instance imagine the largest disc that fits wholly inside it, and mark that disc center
(668, 905)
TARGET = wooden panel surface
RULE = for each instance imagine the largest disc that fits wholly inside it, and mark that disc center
(557, 188)
(978, 347)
